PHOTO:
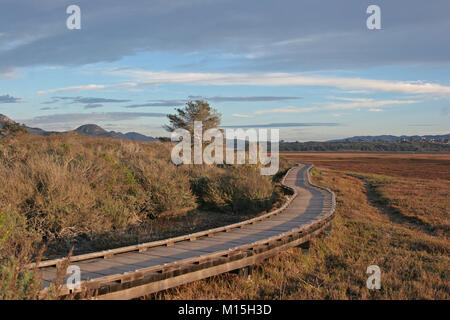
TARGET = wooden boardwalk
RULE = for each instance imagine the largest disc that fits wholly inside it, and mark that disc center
(134, 271)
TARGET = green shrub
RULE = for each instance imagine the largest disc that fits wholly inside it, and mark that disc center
(240, 190)
(16, 283)
(16, 249)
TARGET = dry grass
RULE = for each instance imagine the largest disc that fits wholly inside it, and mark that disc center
(399, 224)
(96, 193)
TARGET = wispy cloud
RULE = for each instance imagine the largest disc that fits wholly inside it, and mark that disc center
(350, 104)
(244, 99)
(52, 101)
(286, 125)
(158, 103)
(8, 75)
(88, 100)
(361, 103)
(286, 110)
(87, 87)
(98, 100)
(74, 88)
(9, 99)
(48, 108)
(238, 115)
(143, 77)
(176, 103)
(93, 105)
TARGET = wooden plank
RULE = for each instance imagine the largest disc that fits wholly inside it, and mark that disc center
(110, 263)
(107, 268)
(50, 275)
(207, 247)
(175, 253)
(239, 238)
(142, 261)
(277, 229)
(296, 221)
(87, 275)
(223, 244)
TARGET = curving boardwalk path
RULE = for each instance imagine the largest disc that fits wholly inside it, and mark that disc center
(134, 271)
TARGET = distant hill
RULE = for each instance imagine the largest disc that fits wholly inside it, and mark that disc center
(412, 145)
(40, 132)
(9, 127)
(381, 143)
(134, 136)
(391, 138)
(5, 120)
(92, 130)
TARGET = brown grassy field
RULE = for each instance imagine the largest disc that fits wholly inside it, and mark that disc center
(392, 211)
(426, 166)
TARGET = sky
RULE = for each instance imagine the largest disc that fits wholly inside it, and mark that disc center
(311, 68)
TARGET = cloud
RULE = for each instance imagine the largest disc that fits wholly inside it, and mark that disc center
(90, 103)
(93, 105)
(8, 75)
(9, 99)
(87, 87)
(243, 99)
(176, 103)
(158, 103)
(285, 125)
(97, 100)
(238, 115)
(312, 35)
(74, 88)
(360, 103)
(144, 77)
(286, 110)
(52, 101)
(350, 104)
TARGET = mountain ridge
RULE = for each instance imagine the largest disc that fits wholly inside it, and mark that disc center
(390, 138)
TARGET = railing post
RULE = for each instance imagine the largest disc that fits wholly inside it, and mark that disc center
(328, 230)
